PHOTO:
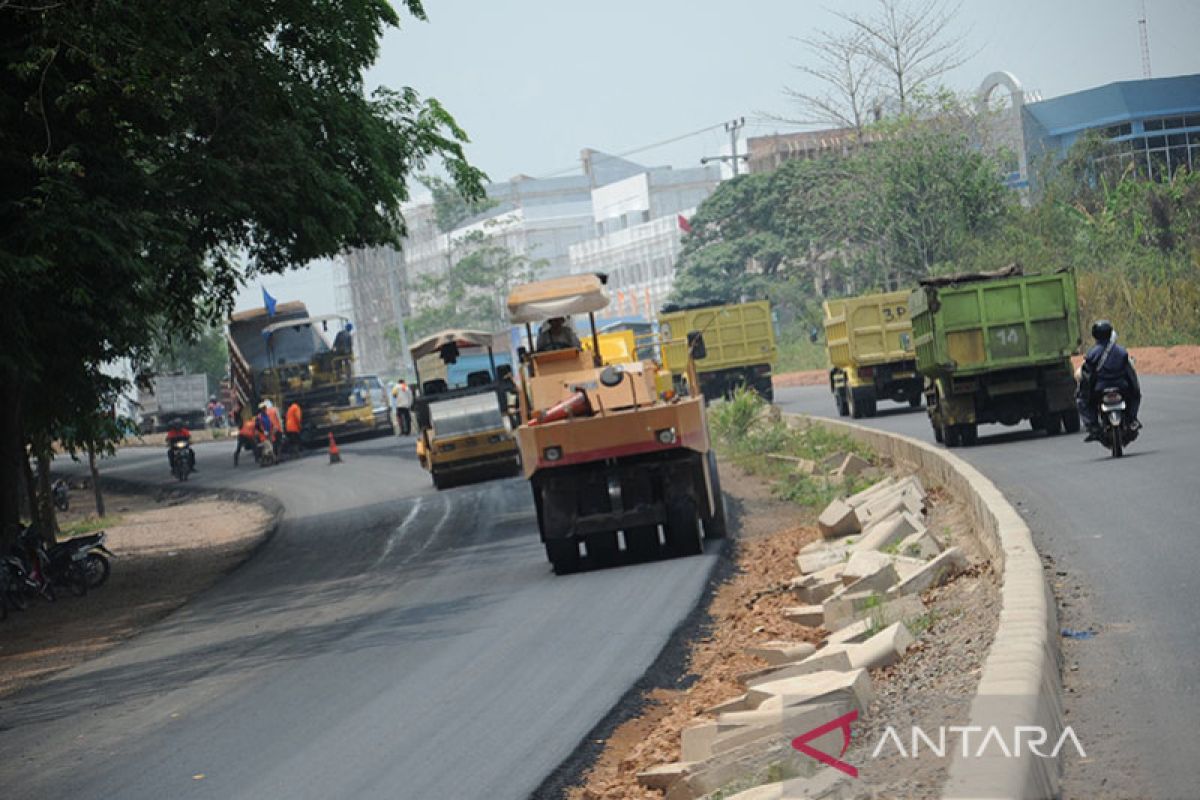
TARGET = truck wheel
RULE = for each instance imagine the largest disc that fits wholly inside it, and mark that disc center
(683, 526)
(937, 433)
(914, 401)
(714, 523)
(765, 389)
(1070, 420)
(968, 434)
(602, 548)
(862, 402)
(563, 555)
(951, 435)
(843, 405)
(440, 481)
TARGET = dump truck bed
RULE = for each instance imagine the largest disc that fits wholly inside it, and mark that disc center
(987, 324)
(735, 336)
(868, 330)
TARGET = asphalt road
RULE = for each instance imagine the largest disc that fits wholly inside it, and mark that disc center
(1124, 536)
(389, 641)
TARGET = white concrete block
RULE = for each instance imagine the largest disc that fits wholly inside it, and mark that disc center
(811, 616)
(776, 653)
(854, 685)
(935, 572)
(838, 519)
(883, 649)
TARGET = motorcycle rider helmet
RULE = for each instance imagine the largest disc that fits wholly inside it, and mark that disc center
(1102, 330)
(176, 423)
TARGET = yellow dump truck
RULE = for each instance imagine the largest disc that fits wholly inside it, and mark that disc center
(464, 433)
(870, 345)
(617, 467)
(740, 340)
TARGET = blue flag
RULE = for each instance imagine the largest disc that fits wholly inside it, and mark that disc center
(268, 302)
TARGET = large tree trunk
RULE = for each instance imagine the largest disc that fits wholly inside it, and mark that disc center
(47, 518)
(95, 480)
(12, 454)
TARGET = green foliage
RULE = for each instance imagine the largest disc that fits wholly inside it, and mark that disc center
(472, 293)
(745, 431)
(149, 148)
(206, 353)
(450, 206)
(880, 216)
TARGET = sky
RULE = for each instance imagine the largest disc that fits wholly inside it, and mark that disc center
(535, 81)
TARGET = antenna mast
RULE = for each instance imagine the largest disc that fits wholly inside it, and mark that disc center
(1145, 39)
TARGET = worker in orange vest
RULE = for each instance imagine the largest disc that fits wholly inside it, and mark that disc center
(293, 427)
(276, 426)
(246, 436)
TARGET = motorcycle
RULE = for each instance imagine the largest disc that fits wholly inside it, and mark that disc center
(19, 583)
(62, 494)
(1115, 429)
(77, 564)
(181, 459)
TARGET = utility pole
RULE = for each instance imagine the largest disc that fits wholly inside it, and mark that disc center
(732, 127)
(397, 309)
(1145, 39)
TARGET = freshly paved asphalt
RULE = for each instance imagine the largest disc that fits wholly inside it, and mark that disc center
(1124, 537)
(389, 641)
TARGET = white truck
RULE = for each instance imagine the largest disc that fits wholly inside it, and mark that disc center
(183, 396)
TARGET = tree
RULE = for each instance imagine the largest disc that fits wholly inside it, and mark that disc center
(911, 44)
(206, 353)
(847, 72)
(450, 206)
(156, 154)
(472, 293)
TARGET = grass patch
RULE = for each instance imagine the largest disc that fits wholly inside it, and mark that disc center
(747, 432)
(89, 525)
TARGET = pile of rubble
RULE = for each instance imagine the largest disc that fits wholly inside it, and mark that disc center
(861, 584)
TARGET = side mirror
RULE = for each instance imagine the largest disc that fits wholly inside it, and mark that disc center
(612, 376)
(695, 341)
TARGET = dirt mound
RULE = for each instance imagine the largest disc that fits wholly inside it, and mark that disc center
(810, 377)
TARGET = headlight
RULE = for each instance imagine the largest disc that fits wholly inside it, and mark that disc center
(665, 436)
(554, 453)
(180, 444)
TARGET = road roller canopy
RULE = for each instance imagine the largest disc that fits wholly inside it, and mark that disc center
(557, 297)
(460, 337)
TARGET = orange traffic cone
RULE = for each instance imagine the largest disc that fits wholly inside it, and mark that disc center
(335, 455)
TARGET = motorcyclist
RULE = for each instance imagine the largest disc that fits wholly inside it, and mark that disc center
(1106, 366)
(177, 431)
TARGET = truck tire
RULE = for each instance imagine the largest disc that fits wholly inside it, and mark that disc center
(862, 402)
(968, 434)
(563, 555)
(765, 389)
(641, 543)
(843, 405)
(951, 435)
(914, 401)
(937, 432)
(683, 526)
(1052, 424)
(1071, 423)
(714, 523)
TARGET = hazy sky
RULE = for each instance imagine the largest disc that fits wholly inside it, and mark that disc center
(535, 81)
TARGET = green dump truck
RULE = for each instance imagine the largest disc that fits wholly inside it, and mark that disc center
(996, 347)
(740, 343)
(869, 341)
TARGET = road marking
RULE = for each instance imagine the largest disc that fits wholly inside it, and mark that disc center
(398, 532)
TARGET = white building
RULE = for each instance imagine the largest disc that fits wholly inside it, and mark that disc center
(639, 234)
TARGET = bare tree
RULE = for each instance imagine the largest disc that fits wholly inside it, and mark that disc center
(911, 43)
(848, 72)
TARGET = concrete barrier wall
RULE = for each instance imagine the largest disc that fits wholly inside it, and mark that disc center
(1021, 683)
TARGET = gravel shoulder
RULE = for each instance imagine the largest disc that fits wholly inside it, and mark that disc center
(932, 686)
(168, 549)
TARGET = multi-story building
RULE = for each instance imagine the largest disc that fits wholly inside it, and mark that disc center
(639, 233)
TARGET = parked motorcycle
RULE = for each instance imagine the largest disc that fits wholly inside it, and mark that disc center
(19, 583)
(67, 564)
(62, 494)
(182, 458)
(1115, 429)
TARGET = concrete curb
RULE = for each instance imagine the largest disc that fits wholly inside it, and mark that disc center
(1020, 684)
